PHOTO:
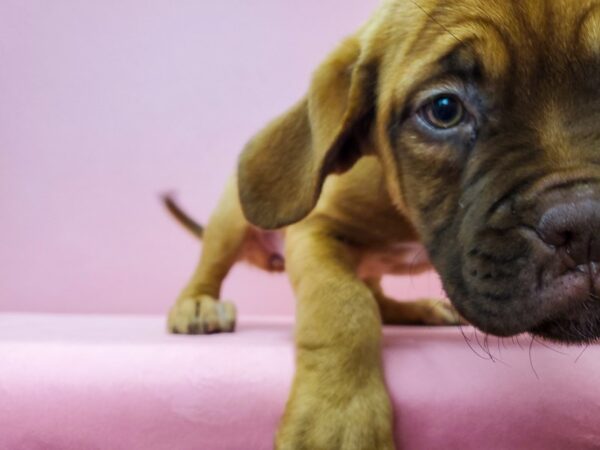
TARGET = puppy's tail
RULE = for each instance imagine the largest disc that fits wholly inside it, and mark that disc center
(182, 217)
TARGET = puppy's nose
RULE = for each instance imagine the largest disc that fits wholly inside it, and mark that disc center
(575, 228)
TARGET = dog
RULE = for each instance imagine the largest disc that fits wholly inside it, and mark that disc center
(466, 128)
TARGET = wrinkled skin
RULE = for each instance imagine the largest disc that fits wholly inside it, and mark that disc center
(529, 148)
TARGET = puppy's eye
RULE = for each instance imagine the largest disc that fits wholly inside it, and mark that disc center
(444, 112)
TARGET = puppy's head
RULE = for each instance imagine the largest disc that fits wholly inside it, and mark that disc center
(486, 117)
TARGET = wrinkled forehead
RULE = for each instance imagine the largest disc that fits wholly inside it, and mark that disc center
(528, 40)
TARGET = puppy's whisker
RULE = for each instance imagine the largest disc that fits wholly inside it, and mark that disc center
(494, 358)
(531, 358)
(468, 342)
(498, 358)
(486, 346)
(581, 354)
(518, 342)
(549, 347)
(483, 346)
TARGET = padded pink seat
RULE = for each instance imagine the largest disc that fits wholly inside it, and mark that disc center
(123, 383)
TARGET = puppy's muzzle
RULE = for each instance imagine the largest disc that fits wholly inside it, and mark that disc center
(542, 274)
(570, 230)
(567, 239)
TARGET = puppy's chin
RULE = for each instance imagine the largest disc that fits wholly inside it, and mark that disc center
(500, 323)
(582, 326)
(584, 329)
(563, 311)
(568, 332)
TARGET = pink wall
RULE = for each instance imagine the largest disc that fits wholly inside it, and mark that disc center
(105, 104)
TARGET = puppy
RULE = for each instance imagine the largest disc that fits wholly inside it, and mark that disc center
(468, 127)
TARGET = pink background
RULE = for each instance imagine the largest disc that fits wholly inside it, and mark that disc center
(103, 105)
(106, 103)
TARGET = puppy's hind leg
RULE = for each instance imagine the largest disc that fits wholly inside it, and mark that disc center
(198, 309)
(430, 312)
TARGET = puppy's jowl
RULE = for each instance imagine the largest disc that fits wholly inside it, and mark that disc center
(468, 127)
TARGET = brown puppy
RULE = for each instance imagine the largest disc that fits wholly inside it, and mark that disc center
(468, 126)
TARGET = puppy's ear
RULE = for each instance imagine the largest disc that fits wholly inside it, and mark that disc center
(282, 170)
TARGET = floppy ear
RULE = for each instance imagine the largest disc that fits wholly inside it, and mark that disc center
(282, 170)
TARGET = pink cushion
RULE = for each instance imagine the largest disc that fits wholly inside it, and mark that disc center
(107, 382)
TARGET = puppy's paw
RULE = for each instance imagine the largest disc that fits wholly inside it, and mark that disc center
(434, 312)
(201, 315)
(325, 420)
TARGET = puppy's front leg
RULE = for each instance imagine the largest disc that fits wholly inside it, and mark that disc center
(338, 399)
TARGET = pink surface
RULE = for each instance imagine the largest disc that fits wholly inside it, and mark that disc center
(103, 106)
(108, 382)
(106, 104)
